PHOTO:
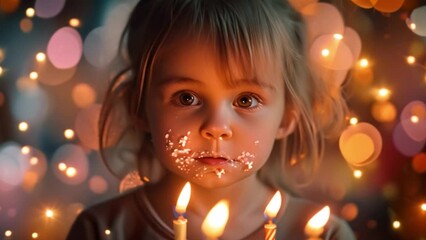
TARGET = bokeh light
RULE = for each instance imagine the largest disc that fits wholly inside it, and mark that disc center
(419, 163)
(349, 211)
(9, 6)
(31, 104)
(357, 173)
(34, 235)
(74, 22)
(98, 184)
(86, 126)
(406, 145)
(83, 95)
(30, 12)
(16, 164)
(411, 60)
(65, 48)
(49, 213)
(48, 8)
(384, 111)
(23, 126)
(418, 17)
(69, 133)
(413, 120)
(396, 224)
(74, 158)
(26, 25)
(7, 233)
(41, 57)
(360, 144)
(50, 75)
(33, 75)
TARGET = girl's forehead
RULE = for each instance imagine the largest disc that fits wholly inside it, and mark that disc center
(234, 65)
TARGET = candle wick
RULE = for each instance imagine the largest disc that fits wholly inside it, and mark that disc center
(270, 221)
(181, 217)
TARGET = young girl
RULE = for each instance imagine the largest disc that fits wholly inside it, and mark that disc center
(219, 95)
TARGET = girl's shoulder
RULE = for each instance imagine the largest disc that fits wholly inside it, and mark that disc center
(297, 213)
(122, 217)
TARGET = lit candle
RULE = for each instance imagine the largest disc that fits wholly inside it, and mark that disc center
(179, 224)
(315, 226)
(214, 224)
(271, 212)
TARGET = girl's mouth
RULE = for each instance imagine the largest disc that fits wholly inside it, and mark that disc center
(212, 161)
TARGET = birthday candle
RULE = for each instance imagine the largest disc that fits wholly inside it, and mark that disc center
(271, 212)
(179, 224)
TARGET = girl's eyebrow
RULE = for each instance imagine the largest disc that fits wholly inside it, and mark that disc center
(230, 84)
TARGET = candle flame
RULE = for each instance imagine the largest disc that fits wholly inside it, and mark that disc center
(273, 206)
(320, 219)
(183, 199)
(214, 224)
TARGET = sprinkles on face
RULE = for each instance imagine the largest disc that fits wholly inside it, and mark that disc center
(185, 158)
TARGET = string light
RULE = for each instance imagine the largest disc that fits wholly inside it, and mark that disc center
(30, 12)
(23, 126)
(69, 134)
(396, 224)
(338, 36)
(423, 207)
(383, 94)
(107, 232)
(364, 63)
(25, 150)
(325, 52)
(357, 173)
(414, 119)
(40, 57)
(353, 120)
(62, 167)
(411, 60)
(49, 213)
(71, 172)
(74, 22)
(8, 233)
(33, 75)
(34, 235)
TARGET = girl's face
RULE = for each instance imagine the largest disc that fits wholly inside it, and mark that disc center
(205, 129)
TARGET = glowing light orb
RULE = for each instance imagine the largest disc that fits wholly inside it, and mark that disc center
(360, 144)
(33, 75)
(23, 126)
(74, 22)
(331, 54)
(325, 52)
(413, 120)
(411, 60)
(48, 8)
(83, 95)
(30, 12)
(338, 36)
(69, 134)
(404, 143)
(419, 163)
(418, 17)
(384, 111)
(423, 207)
(363, 63)
(396, 224)
(7, 233)
(383, 94)
(357, 173)
(86, 126)
(25, 150)
(65, 48)
(40, 57)
(49, 213)
(1, 70)
(353, 120)
(98, 184)
(349, 211)
(107, 232)
(34, 235)
(73, 159)
(26, 25)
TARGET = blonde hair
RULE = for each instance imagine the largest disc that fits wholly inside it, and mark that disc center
(245, 31)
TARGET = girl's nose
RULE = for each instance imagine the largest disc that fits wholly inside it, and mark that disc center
(216, 132)
(216, 127)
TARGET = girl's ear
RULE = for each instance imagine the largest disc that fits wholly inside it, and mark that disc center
(288, 124)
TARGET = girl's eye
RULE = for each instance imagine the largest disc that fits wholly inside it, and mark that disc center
(187, 99)
(246, 101)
